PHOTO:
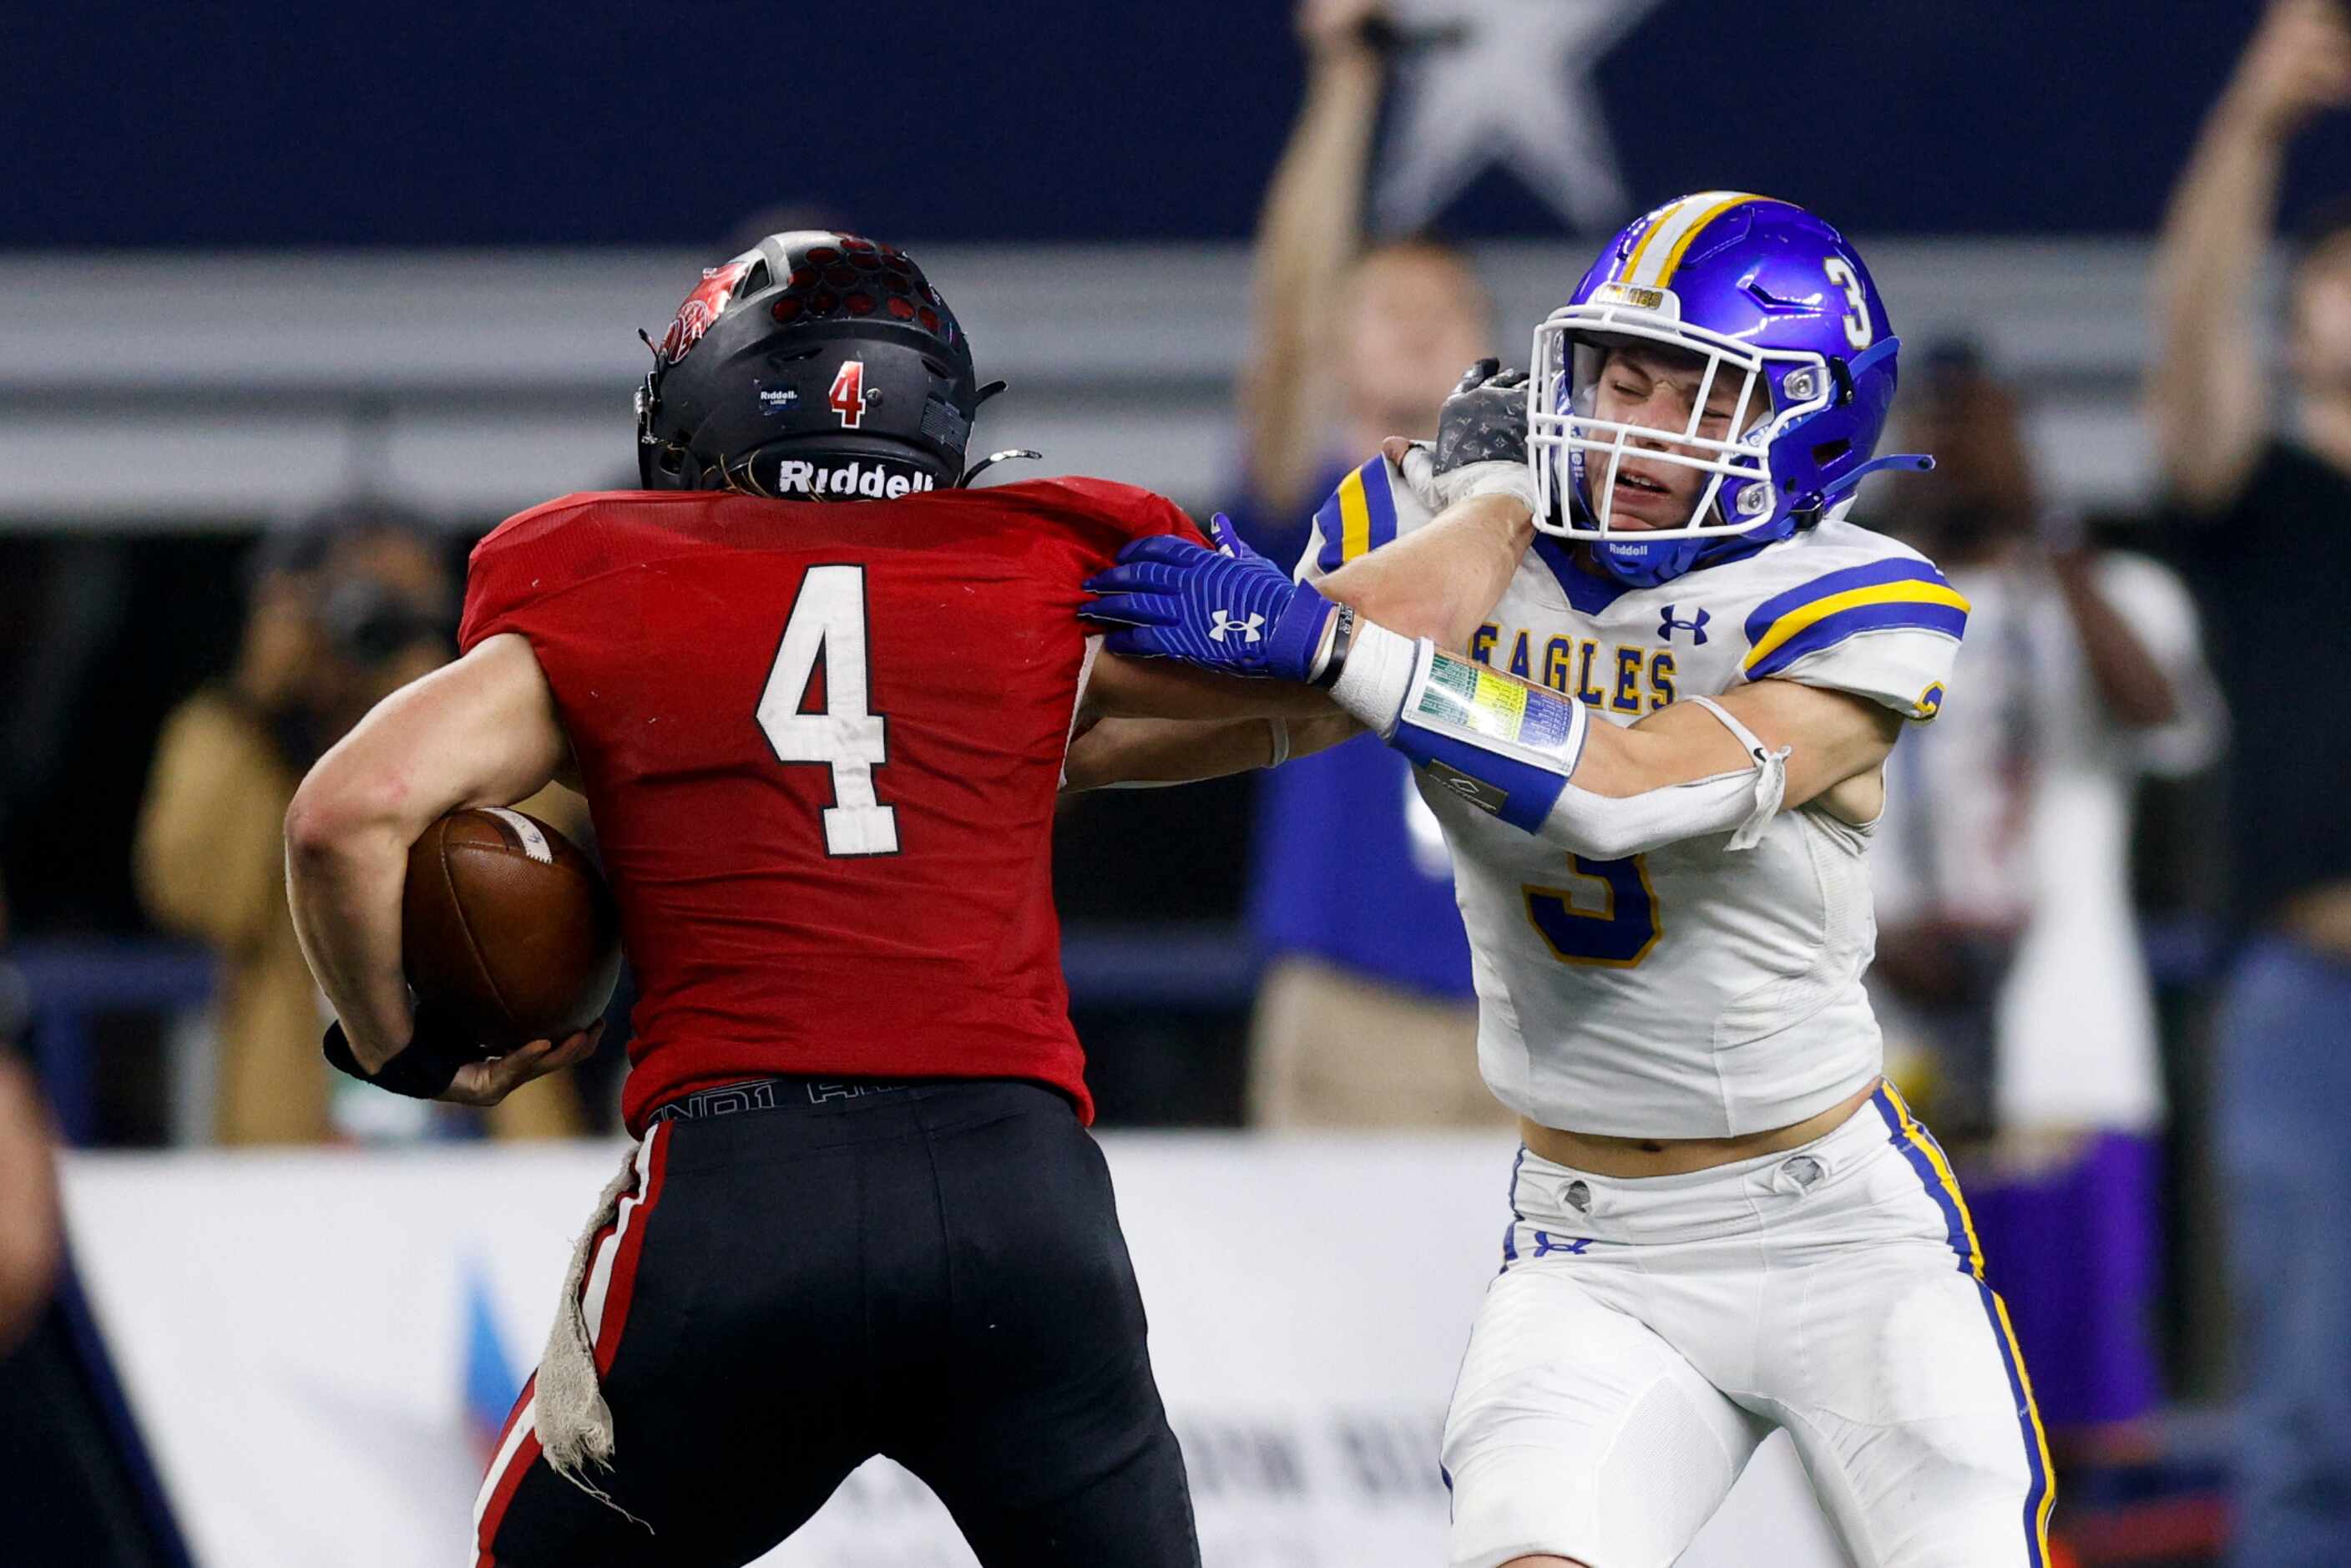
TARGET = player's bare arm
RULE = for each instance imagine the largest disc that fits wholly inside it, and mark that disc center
(1837, 743)
(1439, 581)
(1436, 581)
(1527, 753)
(1149, 751)
(480, 732)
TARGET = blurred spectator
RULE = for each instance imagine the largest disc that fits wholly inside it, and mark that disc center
(1349, 343)
(2270, 515)
(2007, 943)
(1366, 1015)
(32, 1244)
(353, 606)
(31, 1241)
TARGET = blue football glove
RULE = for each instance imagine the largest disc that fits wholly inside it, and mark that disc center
(1227, 609)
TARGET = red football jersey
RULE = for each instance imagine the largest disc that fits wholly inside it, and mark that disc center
(821, 742)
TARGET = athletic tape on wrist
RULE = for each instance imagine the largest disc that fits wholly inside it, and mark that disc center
(1515, 480)
(1373, 682)
(422, 1070)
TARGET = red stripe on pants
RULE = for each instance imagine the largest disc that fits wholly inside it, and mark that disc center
(605, 1335)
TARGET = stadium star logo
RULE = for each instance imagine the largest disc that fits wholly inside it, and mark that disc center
(1510, 82)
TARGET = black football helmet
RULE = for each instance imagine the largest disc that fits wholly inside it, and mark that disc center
(815, 365)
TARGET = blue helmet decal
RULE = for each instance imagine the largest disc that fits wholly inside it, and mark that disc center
(1793, 357)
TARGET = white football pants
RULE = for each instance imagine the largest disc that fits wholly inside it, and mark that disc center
(1645, 1335)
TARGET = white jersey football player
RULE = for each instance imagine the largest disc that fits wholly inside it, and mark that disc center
(1650, 677)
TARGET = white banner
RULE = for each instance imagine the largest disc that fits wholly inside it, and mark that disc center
(314, 1342)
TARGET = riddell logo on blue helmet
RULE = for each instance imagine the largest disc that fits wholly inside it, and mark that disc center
(866, 481)
(1637, 296)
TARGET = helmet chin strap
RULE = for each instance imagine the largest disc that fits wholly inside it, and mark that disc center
(976, 469)
(982, 467)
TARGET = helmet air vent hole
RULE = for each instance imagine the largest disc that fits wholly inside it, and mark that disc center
(1828, 452)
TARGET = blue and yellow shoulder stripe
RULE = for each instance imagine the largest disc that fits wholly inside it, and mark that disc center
(1360, 515)
(1882, 596)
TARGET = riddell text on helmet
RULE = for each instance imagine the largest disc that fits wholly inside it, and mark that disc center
(794, 476)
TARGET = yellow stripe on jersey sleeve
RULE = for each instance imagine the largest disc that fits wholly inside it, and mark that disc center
(1355, 516)
(1796, 621)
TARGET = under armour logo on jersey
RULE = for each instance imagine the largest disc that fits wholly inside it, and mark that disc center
(1667, 626)
(1545, 1243)
(1224, 623)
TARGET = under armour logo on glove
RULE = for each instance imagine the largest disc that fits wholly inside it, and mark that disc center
(1224, 622)
(1171, 599)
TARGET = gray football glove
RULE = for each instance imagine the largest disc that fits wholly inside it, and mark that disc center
(1482, 441)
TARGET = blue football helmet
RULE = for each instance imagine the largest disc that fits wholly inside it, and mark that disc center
(1748, 286)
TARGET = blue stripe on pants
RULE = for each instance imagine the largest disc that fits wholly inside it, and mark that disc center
(1926, 1157)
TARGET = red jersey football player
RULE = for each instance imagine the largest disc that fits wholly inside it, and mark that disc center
(818, 695)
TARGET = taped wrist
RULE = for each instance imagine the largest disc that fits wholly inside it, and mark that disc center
(1370, 677)
(425, 1067)
(1513, 479)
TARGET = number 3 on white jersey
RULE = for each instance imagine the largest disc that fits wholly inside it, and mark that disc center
(828, 622)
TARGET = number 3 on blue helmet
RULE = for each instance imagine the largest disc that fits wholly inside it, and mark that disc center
(1781, 362)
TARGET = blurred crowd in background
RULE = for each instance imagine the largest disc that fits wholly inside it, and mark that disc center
(2113, 898)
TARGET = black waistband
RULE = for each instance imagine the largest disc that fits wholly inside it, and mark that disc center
(784, 1093)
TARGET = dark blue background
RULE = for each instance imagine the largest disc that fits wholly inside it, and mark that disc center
(536, 123)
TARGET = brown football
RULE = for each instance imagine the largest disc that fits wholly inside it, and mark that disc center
(507, 926)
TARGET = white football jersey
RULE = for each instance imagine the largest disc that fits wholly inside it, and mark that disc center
(1695, 991)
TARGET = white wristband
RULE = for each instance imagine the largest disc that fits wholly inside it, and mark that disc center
(1371, 686)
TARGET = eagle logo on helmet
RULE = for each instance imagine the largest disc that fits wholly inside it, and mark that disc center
(701, 308)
